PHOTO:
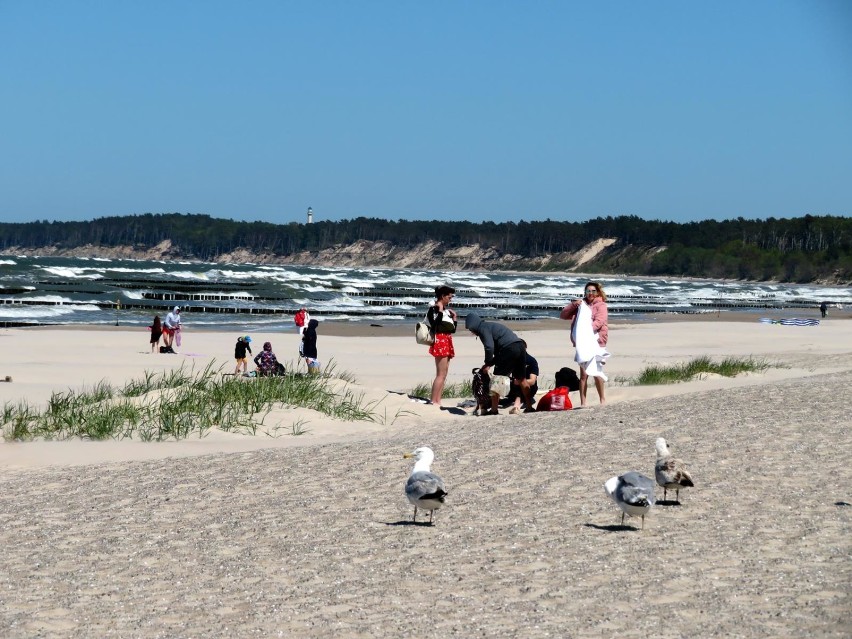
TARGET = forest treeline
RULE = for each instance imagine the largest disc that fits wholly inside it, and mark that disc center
(792, 250)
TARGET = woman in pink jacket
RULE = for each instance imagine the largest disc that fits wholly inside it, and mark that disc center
(589, 332)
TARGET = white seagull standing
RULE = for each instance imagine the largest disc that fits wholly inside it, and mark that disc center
(671, 473)
(633, 492)
(424, 488)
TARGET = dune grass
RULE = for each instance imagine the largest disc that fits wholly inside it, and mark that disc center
(728, 367)
(182, 402)
(465, 389)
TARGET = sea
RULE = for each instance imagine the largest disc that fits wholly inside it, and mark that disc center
(63, 290)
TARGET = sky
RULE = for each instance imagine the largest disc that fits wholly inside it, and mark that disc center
(467, 110)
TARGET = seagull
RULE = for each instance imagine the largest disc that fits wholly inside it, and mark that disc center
(670, 472)
(633, 492)
(424, 488)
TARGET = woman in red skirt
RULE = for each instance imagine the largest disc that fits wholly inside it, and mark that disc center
(442, 320)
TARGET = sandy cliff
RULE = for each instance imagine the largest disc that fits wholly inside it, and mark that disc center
(428, 255)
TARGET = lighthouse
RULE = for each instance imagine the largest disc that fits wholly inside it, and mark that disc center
(310, 215)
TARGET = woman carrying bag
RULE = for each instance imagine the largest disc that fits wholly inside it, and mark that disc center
(589, 333)
(442, 320)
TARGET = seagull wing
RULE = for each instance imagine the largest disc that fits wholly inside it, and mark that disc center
(423, 485)
(670, 473)
(635, 489)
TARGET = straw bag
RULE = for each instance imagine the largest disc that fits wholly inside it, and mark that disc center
(500, 385)
(423, 334)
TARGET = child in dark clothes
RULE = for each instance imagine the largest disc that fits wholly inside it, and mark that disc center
(156, 332)
(243, 345)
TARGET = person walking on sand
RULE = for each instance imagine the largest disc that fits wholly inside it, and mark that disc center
(823, 308)
(589, 333)
(243, 345)
(442, 321)
(156, 332)
(504, 350)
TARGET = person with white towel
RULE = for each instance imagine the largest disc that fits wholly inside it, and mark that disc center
(589, 333)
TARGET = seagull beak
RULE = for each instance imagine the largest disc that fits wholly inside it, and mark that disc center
(407, 455)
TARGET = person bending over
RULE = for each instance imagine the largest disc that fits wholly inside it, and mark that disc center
(504, 350)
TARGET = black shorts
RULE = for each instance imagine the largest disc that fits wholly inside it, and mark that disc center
(511, 361)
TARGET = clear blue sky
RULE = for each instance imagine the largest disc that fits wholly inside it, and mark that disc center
(425, 110)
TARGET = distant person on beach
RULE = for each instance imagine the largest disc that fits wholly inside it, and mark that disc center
(442, 320)
(504, 350)
(589, 333)
(243, 345)
(309, 346)
(823, 308)
(515, 398)
(171, 326)
(266, 362)
(156, 332)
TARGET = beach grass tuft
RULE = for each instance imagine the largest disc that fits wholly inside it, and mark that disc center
(180, 403)
(464, 389)
(728, 367)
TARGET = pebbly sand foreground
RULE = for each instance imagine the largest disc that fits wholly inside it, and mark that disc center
(315, 539)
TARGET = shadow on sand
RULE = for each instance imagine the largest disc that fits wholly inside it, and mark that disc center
(613, 527)
(667, 502)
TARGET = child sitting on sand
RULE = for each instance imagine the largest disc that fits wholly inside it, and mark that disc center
(266, 362)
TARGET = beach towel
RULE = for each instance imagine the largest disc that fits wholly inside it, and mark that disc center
(590, 355)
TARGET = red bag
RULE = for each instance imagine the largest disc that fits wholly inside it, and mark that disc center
(557, 399)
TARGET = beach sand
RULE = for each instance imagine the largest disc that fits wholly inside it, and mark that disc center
(237, 535)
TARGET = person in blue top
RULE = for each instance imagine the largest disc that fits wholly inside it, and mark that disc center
(504, 350)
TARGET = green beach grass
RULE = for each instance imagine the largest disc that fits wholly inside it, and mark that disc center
(182, 402)
(728, 367)
(465, 389)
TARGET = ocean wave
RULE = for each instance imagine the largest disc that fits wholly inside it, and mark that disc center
(17, 312)
(57, 299)
(122, 269)
(72, 272)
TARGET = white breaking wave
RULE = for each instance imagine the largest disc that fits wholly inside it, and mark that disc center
(18, 313)
(72, 273)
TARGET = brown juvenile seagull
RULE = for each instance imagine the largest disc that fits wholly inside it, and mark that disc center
(670, 472)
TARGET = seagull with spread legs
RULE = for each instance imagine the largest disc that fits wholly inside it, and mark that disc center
(424, 488)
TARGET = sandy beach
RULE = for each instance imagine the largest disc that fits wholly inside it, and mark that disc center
(311, 535)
